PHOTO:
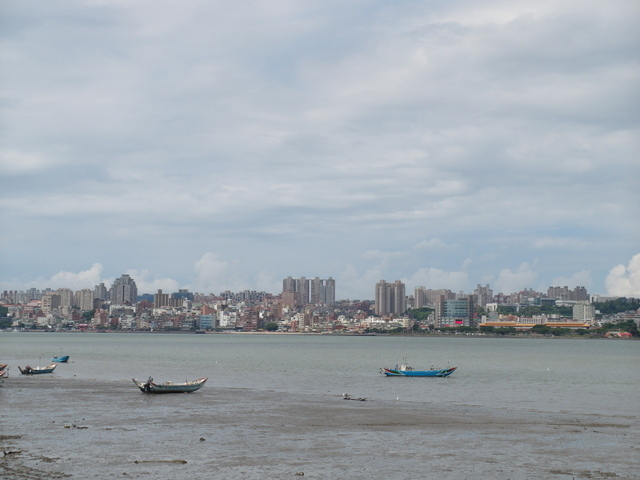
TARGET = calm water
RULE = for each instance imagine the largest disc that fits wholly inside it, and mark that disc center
(553, 375)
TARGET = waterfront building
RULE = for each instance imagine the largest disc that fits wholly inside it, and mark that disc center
(584, 312)
(456, 313)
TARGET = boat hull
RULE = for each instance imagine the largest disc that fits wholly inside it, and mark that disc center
(64, 359)
(150, 387)
(37, 370)
(390, 372)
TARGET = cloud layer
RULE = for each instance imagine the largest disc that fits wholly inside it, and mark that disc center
(227, 146)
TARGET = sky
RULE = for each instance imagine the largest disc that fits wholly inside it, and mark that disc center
(224, 145)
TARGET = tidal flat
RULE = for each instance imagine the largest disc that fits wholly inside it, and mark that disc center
(97, 429)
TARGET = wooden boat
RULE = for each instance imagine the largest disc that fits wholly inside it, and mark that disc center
(37, 370)
(405, 370)
(63, 359)
(169, 387)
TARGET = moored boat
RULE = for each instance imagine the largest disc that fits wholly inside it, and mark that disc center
(405, 370)
(169, 387)
(63, 359)
(37, 370)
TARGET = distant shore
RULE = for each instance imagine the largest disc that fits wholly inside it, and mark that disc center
(532, 336)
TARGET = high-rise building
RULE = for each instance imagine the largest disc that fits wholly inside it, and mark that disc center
(584, 311)
(316, 295)
(66, 297)
(50, 302)
(100, 292)
(160, 299)
(329, 291)
(84, 299)
(390, 298)
(301, 291)
(124, 291)
(484, 294)
(425, 297)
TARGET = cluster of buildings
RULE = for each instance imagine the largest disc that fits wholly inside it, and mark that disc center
(303, 305)
(481, 308)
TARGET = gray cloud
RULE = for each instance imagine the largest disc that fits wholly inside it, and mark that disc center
(292, 139)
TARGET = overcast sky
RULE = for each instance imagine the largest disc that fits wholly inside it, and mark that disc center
(225, 145)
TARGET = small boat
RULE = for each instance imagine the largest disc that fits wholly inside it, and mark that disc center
(3, 366)
(37, 370)
(63, 359)
(3, 373)
(405, 370)
(169, 387)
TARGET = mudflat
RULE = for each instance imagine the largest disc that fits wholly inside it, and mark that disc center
(84, 429)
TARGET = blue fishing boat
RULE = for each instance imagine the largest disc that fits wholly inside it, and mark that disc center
(63, 359)
(405, 370)
(169, 387)
(37, 370)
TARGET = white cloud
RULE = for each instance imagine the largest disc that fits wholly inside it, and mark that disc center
(509, 281)
(147, 284)
(578, 279)
(213, 275)
(431, 244)
(354, 286)
(625, 281)
(75, 281)
(434, 278)
(19, 162)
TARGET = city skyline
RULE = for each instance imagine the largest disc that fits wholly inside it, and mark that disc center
(388, 297)
(215, 147)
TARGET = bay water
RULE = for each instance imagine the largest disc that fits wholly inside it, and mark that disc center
(546, 374)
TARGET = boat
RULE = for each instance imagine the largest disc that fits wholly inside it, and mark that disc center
(3, 366)
(169, 387)
(3, 373)
(405, 370)
(63, 359)
(37, 370)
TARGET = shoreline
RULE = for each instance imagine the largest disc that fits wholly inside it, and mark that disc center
(428, 335)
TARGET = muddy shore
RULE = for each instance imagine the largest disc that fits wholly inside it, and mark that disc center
(98, 429)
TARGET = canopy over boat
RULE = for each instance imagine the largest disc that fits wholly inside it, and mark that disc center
(169, 387)
(36, 370)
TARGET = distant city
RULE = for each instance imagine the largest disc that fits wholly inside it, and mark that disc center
(308, 305)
